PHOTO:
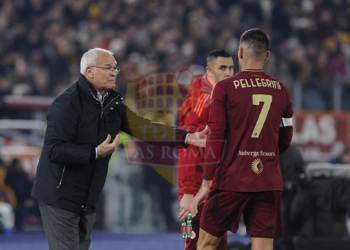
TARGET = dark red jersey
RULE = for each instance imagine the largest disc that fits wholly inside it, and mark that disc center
(193, 116)
(250, 124)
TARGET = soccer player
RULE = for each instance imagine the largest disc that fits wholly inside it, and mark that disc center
(252, 112)
(193, 116)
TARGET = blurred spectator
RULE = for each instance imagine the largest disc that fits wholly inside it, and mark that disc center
(5, 86)
(317, 92)
(7, 202)
(343, 158)
(19, 180)
(6, 193)
(41, 84)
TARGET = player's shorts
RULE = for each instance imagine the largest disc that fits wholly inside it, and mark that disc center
(261, 212)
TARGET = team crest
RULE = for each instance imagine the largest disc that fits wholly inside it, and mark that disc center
(158, 97)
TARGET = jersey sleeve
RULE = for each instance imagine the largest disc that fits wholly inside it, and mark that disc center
(217, 128)
(286, 128)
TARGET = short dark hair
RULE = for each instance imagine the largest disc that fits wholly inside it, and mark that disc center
(217, 53)
(257, 40)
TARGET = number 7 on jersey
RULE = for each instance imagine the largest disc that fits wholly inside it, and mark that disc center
(266, 100)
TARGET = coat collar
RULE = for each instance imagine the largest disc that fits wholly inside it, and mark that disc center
(89, 89)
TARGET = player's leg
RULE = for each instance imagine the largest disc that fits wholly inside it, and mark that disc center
(207, 241)
(263, 219)
(191, 244)
(262, 243)
(221, 212)
(223, 243)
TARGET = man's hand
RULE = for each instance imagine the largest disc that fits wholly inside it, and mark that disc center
(185, 205)
(198, 139)
(107, 148)
(200, 197)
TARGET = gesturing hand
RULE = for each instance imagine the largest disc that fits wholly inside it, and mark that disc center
(107, 148)
(198, 139)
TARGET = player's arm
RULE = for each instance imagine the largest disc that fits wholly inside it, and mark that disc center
(148, 131)
(200, 197)
(215, 143)
(285, 138)
(187, 169)
(286, 129)
(193, 117)
(217, 129)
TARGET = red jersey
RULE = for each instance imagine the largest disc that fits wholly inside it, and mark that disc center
(252, 112)
(193, 116)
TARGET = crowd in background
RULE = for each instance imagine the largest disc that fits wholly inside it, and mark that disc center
(42, 41)
(15, 188)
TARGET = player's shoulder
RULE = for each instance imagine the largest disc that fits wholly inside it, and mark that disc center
(226, 81)
(223, 83)
(198, 81)
(204, 84)
(200, 85)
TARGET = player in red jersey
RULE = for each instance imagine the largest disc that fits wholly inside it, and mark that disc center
(252, 112)
(193, 116)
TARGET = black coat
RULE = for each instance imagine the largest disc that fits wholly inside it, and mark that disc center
(68, 176)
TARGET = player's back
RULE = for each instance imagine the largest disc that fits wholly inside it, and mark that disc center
(255, 104)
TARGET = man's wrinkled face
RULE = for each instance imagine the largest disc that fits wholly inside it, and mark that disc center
(220, 68)
(104, 74)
